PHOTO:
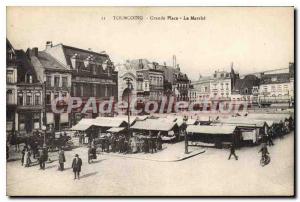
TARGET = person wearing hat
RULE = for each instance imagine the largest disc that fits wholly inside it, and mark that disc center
(61, 159)
(76, 165)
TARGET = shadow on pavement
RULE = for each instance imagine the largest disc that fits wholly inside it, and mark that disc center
(98, 161)
(88, 175)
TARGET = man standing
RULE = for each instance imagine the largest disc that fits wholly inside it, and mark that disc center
(76, 165)
(61, 159)
(90, 154)
(43, 156)
(232, 152)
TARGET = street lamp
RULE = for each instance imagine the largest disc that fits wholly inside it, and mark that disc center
(45, 112)
(129, 89)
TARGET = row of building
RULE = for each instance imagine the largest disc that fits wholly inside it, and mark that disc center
(262, 88)
(36, 77)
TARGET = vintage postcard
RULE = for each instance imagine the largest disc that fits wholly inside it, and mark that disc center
(150, 101)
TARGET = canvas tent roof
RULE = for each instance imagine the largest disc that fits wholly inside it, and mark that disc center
(154, 124)
(191, 121)
(83, 124)
(241, 121)
(80, 127)
(115, 129)
(220, 129)
(273, 117)
(108, 121)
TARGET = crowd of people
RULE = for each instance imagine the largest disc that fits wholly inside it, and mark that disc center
(123, 144)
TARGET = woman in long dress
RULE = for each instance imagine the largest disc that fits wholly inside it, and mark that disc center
(27, 158)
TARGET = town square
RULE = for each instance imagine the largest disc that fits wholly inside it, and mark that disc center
(135, 105)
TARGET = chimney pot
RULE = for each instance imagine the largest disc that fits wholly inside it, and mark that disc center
(48, 44)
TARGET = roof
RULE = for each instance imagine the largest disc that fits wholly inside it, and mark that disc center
(247, 82)
(50, 62)
(83, 54)
(275, 78)
(269, 117)
(108, 121)
(115, 129)
(191, 121)
(154, 124)
(24, 67)
(223, 130)
(83, 124)
(241, 121)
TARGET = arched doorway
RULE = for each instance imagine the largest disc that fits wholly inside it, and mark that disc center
(127, 92)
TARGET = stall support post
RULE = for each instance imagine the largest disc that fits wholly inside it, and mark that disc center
(186, 143)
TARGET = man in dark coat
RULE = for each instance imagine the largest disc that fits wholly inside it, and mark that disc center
(76, 165)
(23, 154)
(159, 142)
(61, 159)
(232, 152)
(90, 154)
(42, 157)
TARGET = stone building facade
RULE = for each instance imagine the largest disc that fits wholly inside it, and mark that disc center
(93, 75)
(56, 78)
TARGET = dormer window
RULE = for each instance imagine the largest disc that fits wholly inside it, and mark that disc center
(274, 79)
(74, 60)
(88, 61)
(28, 78)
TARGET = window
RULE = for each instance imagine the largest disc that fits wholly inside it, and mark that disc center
(20, 99)
(81, 90)
(48, 80)
(94, 69)
(94, 90)
(64, 81)
(9, 96)
(227, 88)
(56, 81)
(9, 76)
(222, 86)
(74, 89)
(37, 100)
(48, 98)
(28, 78)
(56, 95)
(273, 88)
(274, 79)
(279, 88)
(63, 94)
(28, 99)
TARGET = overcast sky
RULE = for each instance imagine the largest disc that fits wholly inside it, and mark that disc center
(254, 39)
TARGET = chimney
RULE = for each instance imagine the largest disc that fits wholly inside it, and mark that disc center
(34, 52)
(174, 61)
(141, 66)
(48, 44)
